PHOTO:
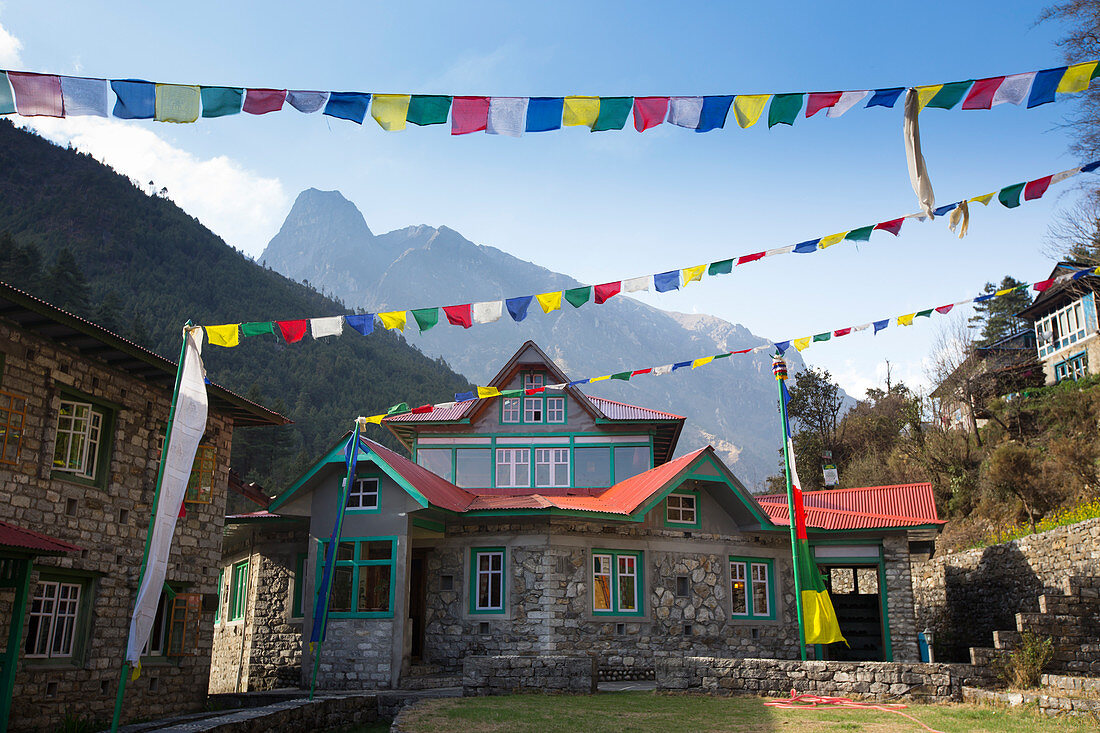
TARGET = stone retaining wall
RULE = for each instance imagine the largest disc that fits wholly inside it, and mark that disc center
(924, 682)
(965, 596)
(1047, 704)
(290, 716)
(503, 675)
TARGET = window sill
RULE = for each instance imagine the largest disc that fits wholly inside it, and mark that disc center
(39, 664)
(73, 479)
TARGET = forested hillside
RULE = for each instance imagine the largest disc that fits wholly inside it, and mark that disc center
(89, 240)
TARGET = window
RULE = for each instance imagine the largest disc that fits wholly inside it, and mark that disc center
(513, 467)
(200, 487)
(551, 467)
(630, 461)
(682, 509)
(534, 381)
(1062, 328)
(1075, 368)
(297, 586)
(183, 625)
(472, 467)
(617, 582)
(77, 449)
(218, 604)
(436, 460)
(555, 409)
(157, 636)
(751, 588)
(52, 625)
(487, 580)
(13, 410)
(362, 578)
(510, 407)
(592, 467)
(363, 495)
(532, 409)
(238, 590)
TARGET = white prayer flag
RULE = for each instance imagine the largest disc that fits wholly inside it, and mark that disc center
(1059, 177)
(488, 312)
(507, 116)
(84, 96)
(188, 424)
(637, 284)
(666, 369)
(307, 102)
(1014, 89)
(331, 326)
(780, 250)
(685, 111)
(846, 102)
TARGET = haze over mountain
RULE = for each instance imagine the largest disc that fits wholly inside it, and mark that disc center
(731, 404)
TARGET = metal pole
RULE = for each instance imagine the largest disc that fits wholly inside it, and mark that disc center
(779, 367)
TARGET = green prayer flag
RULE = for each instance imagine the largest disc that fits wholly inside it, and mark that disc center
(1010, 195)
(625, 376)
(221, 101)
(258, 328)
(7, 101)
(863, 234)
(512, 393)
(399, 407)
(428, 109)
(723, 356)
(926, 314)
(426, 318)
(951, 94)
(784, 109)
(823, 336)
(578, 296)
(613, 113)
(721, 267)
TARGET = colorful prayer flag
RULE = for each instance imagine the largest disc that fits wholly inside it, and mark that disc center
(1077, 78)
(830, 240)
(721, 267)
(649, 112)
(262, 101)
(292, 331)
(712, 115)
(1044, 86)
(925, 94)
(227, 335)
(950, 94)
(745, 259)
(636, 284)
(1010, 195)
(842, 332)
(578, 296)
(945, 309)
(906, 320)
(488, 312)
(364, 323)
(810, 245)
(685, 111)
(607, 291)
(428, 109)
(549, 301)
(823, 336)
(544, 114)
(328, 326)
(981, 94)
(37, 95)
(221, 101)
(134, 99)
(177, 103)
(459, 315)
(390, 111)
(484, 392)
(1014, 89)
(879, 325)
(802, 344)
(820, 100)
(258, 328)
(747, 108)
(665, 281)
(425, 318)
(347, 106)
(863, 234)
(702, 362)
(613, 113)
(304, 101)
(692, 274)
(984, 199)
(846, 102)
(581, 111)
(7, 99)
(469, 114)
(507, 116)
(1035, 189)
(885, 97)
(784, 109)
(80, 96)
(393, 320)
(893, 226)
(517, 307)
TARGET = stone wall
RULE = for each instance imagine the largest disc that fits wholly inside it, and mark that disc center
(773, 677)
(504, 675)
(965, 596)
(355, 656)
(109, 521)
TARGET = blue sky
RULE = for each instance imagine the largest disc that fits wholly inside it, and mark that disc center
(601, 206)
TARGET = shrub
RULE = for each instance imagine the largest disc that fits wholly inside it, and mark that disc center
(1024, 667)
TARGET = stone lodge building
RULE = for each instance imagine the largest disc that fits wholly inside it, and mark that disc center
(82, 416)
(548, 521)
(1067, 333)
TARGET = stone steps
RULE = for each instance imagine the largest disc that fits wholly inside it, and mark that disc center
(430, 681)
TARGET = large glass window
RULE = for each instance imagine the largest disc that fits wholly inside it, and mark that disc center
(592, 467)
(79, 434)
(551, 467)
(436, 460)
(363, 578)
(1062, 328)
(472, 467)
(617, 582)
(1075, 367)
(630, 461)
(513, 467)
(752, 592)
(487, 586)
(52, 621)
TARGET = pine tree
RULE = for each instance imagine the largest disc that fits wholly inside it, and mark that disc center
(20, 265)
(996, 317)
(108, 313)
(66, 287)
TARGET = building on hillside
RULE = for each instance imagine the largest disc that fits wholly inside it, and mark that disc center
(1064, 316)
(82, 415)
(550, 521)
(1005, 367)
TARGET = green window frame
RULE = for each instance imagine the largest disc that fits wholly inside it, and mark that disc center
(238, 590)
(58, 619)
(1074, 367)
(218, 593)
(618, 583)
(83, 438)
(684, 506)
(556, 406)
(297, 585)
(752, 584)
(488, 580)
(361, 568)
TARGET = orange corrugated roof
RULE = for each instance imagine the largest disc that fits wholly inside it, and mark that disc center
(437, 490)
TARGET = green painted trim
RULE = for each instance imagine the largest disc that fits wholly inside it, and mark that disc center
(698, 511)
(550, 511)
(298, 587)
(110, 411)
(355, 564)
(428, 524)
(22, 583)
(639, 582)
(218, 593)
(773, 599)
(336, 450)
(887, 642)
(238, 590)
(846, 561)
(730, 481)
(473, 587)
(853, 541)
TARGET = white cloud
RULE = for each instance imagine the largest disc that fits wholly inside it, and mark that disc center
(240, 206)
(10, 46)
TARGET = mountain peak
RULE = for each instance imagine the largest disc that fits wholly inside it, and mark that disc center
(314, 206)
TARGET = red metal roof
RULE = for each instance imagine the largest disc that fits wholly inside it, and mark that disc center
(613, 410)
(439, 491)
(27, 539)
(871, 507)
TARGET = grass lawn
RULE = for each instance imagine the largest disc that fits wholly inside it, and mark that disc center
(630, 712)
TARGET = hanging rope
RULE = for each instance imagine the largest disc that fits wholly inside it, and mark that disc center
(809, 702)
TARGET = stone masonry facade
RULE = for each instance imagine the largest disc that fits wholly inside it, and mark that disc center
(109, 521)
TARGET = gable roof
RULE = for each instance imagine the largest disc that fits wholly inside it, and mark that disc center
(1060, 293)
(871, 507)
(20, 538)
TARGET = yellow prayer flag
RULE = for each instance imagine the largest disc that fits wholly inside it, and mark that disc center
(1077, 78)
(747, 108)
(906, 320)
(581, 111)
(599, 379)
(693, 273)
(984, 199)
(832, 239)
(483, 392)
(549, 301)
(702, 362)
(376, 419)
(227, 335)
(177, 103)
(390, 110)
(925, 94)
(802, 343)
(1006, 291)
(393, 320)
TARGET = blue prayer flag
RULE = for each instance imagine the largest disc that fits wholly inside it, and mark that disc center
(665, 281)
(713, 114)
(348, 106)
(465, 396)
(983, 298)
(879, 325)
(782, 346)
(680, 365)
(579, 381)
(944, 209)
(517, 307)
(1044, 86)
(543, 115)
(363, 324)
(885, 97)
(1080, 274)
(810, 245)
(1090, 167)
(136, 99)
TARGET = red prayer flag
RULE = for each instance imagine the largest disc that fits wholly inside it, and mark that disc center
(893, 226)
(1035, 189)
(37, 95)
(842, 331)
(1041, 286)
(183, 510)
(262, 101)
(533, 390)
(981, 94)
(293, 330)
(945, 309)
(458, 315)
(649, 112)
(607, 290)
(641, 371)
(742, 351)
(421, 410)
(819, 101)
(750, 258)
(469, 114)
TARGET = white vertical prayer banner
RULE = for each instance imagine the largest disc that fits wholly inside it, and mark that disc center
(685, 111)
(184, 434)
(331, 326)
(507, 116)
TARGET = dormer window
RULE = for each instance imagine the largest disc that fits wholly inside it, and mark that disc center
(534, 381)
